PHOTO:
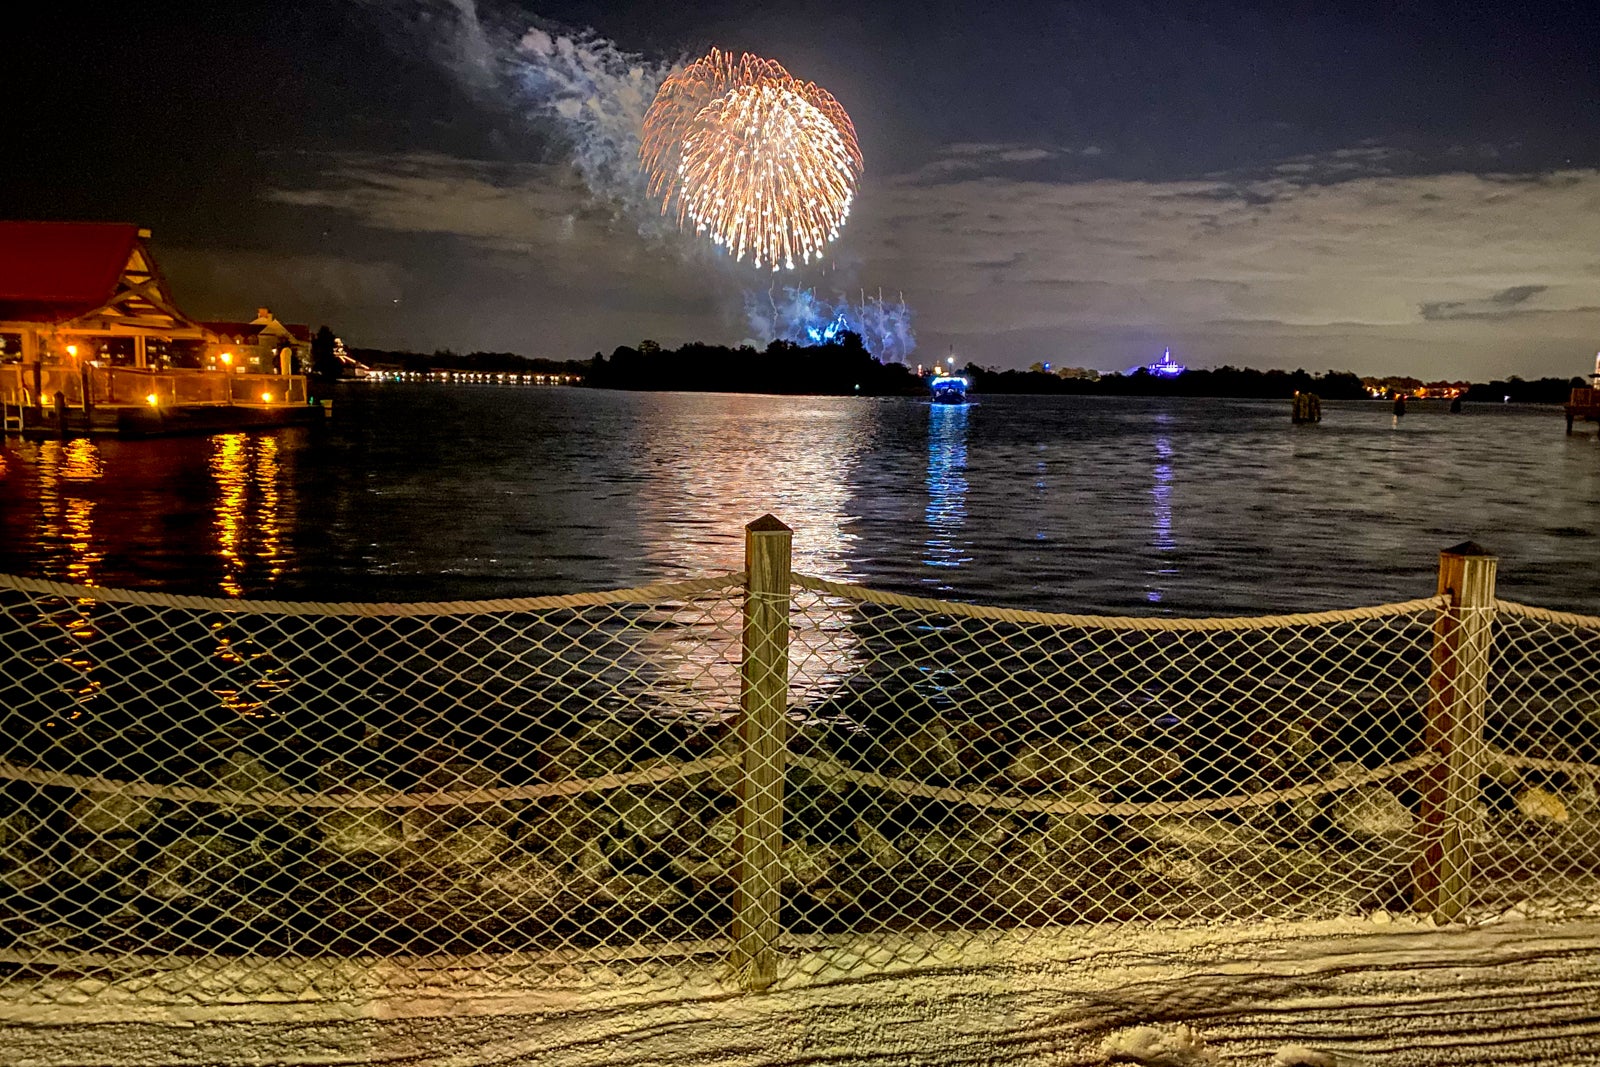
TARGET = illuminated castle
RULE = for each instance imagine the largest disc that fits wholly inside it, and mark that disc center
(1165, 367)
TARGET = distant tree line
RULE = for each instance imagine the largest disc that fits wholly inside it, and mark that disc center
(1542, 391)
(842, 367)
(1223, 381)
(484, 362)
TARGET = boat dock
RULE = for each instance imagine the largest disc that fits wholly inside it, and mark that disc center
(43, 400)
(93, 342)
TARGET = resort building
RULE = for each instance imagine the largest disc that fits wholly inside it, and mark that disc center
(262, 346)
(92, 341)
(88, 292)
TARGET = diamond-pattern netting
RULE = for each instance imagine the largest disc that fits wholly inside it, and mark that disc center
(545, 785)
(1538, 839)
(964, 769)
(206, 798)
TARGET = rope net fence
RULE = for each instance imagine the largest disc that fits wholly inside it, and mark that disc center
(205, 798)
(188, 781)
(1536, 820)
(966, 769)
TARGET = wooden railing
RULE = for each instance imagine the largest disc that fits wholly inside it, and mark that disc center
(24, 385)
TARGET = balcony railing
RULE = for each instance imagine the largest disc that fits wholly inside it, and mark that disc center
(21, 384)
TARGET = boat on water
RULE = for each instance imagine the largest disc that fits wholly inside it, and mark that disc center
(949, 388)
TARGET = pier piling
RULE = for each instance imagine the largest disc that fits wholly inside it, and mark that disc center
(764, 683)
(1458, 689)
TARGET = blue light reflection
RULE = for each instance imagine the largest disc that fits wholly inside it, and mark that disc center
(947, 485)
(1161, 515)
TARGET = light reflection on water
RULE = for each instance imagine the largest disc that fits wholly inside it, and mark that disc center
(701, 470)
(947, 487)
(1064, 503)
(247, 523)
(66, 470)
(429, 493)
(1161, 513)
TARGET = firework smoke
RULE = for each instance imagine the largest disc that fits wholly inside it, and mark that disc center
(763, 163)
(598, 94)
(591, 92)
(803, 318)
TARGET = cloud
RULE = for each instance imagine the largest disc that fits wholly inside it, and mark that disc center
(1505, 303)
(232, 283)
(517, 255)
(586, 90)
(969, 158)
(1437, 274)
(1342, 164)
(1381, 260)
(498, 208)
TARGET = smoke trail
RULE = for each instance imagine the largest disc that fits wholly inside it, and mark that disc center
(802, 317)
(598, 95)
(589, 91)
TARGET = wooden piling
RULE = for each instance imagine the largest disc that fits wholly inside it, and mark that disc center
(1458, 688)
(764, 676)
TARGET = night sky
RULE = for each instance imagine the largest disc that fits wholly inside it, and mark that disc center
(1383, 187)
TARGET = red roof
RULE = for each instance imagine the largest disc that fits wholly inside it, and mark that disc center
(55, 271)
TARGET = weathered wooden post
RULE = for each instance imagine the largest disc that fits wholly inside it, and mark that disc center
(764, 687)
(1458, 689)
(1307, 408)
(61, 413)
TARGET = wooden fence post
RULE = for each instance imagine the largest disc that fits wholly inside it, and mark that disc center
(1458, 689)
(764, 687)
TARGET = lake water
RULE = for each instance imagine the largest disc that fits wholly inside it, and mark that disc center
(1085, 504)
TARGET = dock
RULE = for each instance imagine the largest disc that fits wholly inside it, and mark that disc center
(43, 400)
(92, 342)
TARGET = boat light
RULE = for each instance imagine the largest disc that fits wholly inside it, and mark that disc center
(152, 400)
(266, 398)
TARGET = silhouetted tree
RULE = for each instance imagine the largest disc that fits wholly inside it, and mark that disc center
(324, 364)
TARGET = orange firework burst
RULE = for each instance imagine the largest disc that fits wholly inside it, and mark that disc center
(764, 164)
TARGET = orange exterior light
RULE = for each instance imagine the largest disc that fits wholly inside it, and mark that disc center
(266, 398)
(226, 357)
(72, 350)
(152, 400)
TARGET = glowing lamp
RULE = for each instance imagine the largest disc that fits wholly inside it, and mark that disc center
(72, 350)
(266, 398)
(152, 400)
